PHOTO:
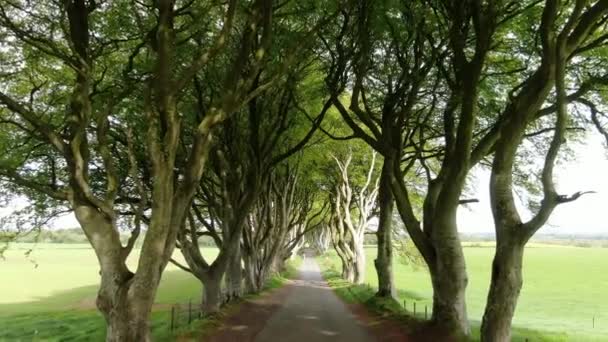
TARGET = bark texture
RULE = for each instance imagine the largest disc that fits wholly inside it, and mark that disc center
(506, 284)
(384, 259)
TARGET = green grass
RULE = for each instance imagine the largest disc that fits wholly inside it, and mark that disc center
(564, 288)
(50, 294)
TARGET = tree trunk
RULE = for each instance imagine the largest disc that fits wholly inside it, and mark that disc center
(348, 272)
(384, 260)
(278, 264)
(125, 304)
(295, 251)
(124, 326)
(212, 292)
(260, 278)
(234, 274)
(250, 276)
(359, 264)
(449, 279)
(126, 315)
(504, 291)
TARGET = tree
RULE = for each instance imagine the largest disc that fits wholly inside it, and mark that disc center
(348, 231)
(281, 219)
(79, 121)
(566, 31)
(379, 50)
(250, 145)
(228, 197)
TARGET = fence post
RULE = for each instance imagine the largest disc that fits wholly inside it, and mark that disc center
(414, 309)
(404, 305)
(172, 318)
(426, 313)
(190, 311)
(593, 322)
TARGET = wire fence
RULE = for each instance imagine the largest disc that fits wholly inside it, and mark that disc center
(417, 309)
(423, 310)
(184, 314)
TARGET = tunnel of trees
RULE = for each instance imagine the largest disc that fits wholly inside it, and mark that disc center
(267, 125)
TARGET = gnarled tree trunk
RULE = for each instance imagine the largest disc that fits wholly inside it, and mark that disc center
(359, 263)
(384, 259)
(505, 286)
(449, 280)
(124, 300)
(234, 275)
(113, 301)
(212, 291)
(349, 230)
(251, 285)
(447, 265)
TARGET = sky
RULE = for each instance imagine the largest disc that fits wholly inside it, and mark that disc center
(585, 216)
(588, 171)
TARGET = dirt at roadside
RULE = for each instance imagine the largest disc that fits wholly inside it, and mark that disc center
(391, 329)
(248, 319)
(307, 310)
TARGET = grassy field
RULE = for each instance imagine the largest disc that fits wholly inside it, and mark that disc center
(565, 290)
(49, 294)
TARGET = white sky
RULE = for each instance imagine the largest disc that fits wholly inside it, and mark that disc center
(588, 171)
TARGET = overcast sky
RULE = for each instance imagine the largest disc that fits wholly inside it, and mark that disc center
(588, 171)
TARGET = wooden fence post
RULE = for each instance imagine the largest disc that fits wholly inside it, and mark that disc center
(414, 309)
(426, 313)
(190, 311)
(172, 318)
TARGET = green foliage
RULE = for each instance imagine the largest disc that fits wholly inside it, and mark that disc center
(407, 254)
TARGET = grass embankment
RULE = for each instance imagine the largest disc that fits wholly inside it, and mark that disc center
(564, 289)
(50, 294)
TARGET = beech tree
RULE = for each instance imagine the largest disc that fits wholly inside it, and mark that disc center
(250, 145)
(283, 216)
(249, 148)
(378, 61)
(182, 119)
(566, 31)
(80, 118)
(348, 228)
(485, 85)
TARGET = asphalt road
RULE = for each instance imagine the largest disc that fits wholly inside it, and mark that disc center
(312, 313)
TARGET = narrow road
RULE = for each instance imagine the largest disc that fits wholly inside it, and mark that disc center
(312, 313)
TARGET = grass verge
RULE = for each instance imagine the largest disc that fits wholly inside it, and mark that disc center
(392, 309)
(65, 317)
(199, 329)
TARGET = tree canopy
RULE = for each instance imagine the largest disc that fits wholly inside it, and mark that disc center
(264, 124)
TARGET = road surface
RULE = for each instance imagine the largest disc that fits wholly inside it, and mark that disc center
(312, 313)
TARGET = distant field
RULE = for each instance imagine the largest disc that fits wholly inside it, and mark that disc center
(49, 294)
(564, 289)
